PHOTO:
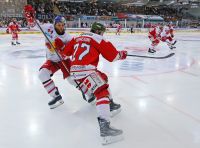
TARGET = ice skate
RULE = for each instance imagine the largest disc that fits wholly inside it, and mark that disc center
(151, 51)
(12, 43)
(55, 102)
(18, 43)
(114, 108)
(109, 134)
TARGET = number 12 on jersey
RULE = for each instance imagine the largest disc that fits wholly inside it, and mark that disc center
(84, 52)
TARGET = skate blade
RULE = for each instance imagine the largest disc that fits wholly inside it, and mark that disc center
(93, 103)
(152, 53)
(111, 139)
(115, 112)
(56, 104)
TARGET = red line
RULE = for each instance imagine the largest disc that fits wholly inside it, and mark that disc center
(177, 109)
(139, 79)
(154, 74)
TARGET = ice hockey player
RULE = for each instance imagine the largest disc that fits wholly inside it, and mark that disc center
(167, 35)
(85, 51)
(29, 13)
(53, 62)
(171, 29)
(119, 28)
(13, 28)
(154, 36)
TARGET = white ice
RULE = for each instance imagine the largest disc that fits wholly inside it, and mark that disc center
(160, 98)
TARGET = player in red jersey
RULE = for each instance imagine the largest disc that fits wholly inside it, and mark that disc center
(119, 28)
(85, 51)
(154, 36)
(13, 28)
(29, 13)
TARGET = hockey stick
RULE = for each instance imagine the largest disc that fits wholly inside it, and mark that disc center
(151, 57)
(61, 59)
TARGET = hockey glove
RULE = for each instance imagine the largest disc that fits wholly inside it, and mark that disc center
(48, 45)
(122, 54)
(59, 44)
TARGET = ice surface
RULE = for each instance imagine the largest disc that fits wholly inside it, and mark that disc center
(160, 98)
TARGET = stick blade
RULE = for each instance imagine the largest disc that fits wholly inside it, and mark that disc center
(151, 57)
(167, 56)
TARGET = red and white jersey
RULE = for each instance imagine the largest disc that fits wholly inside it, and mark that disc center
(119, 27)
(51, 33)
(154, 31)
(13, 27)
(167, 31)
(171, 29)
(85, 51)
(30, 20)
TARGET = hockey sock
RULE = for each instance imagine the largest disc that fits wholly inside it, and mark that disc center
(103, 108)
(50, 88)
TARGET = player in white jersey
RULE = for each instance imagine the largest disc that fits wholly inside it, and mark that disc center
(167, 36)
(54, 63)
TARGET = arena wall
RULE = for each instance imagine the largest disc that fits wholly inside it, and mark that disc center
(109, 30)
